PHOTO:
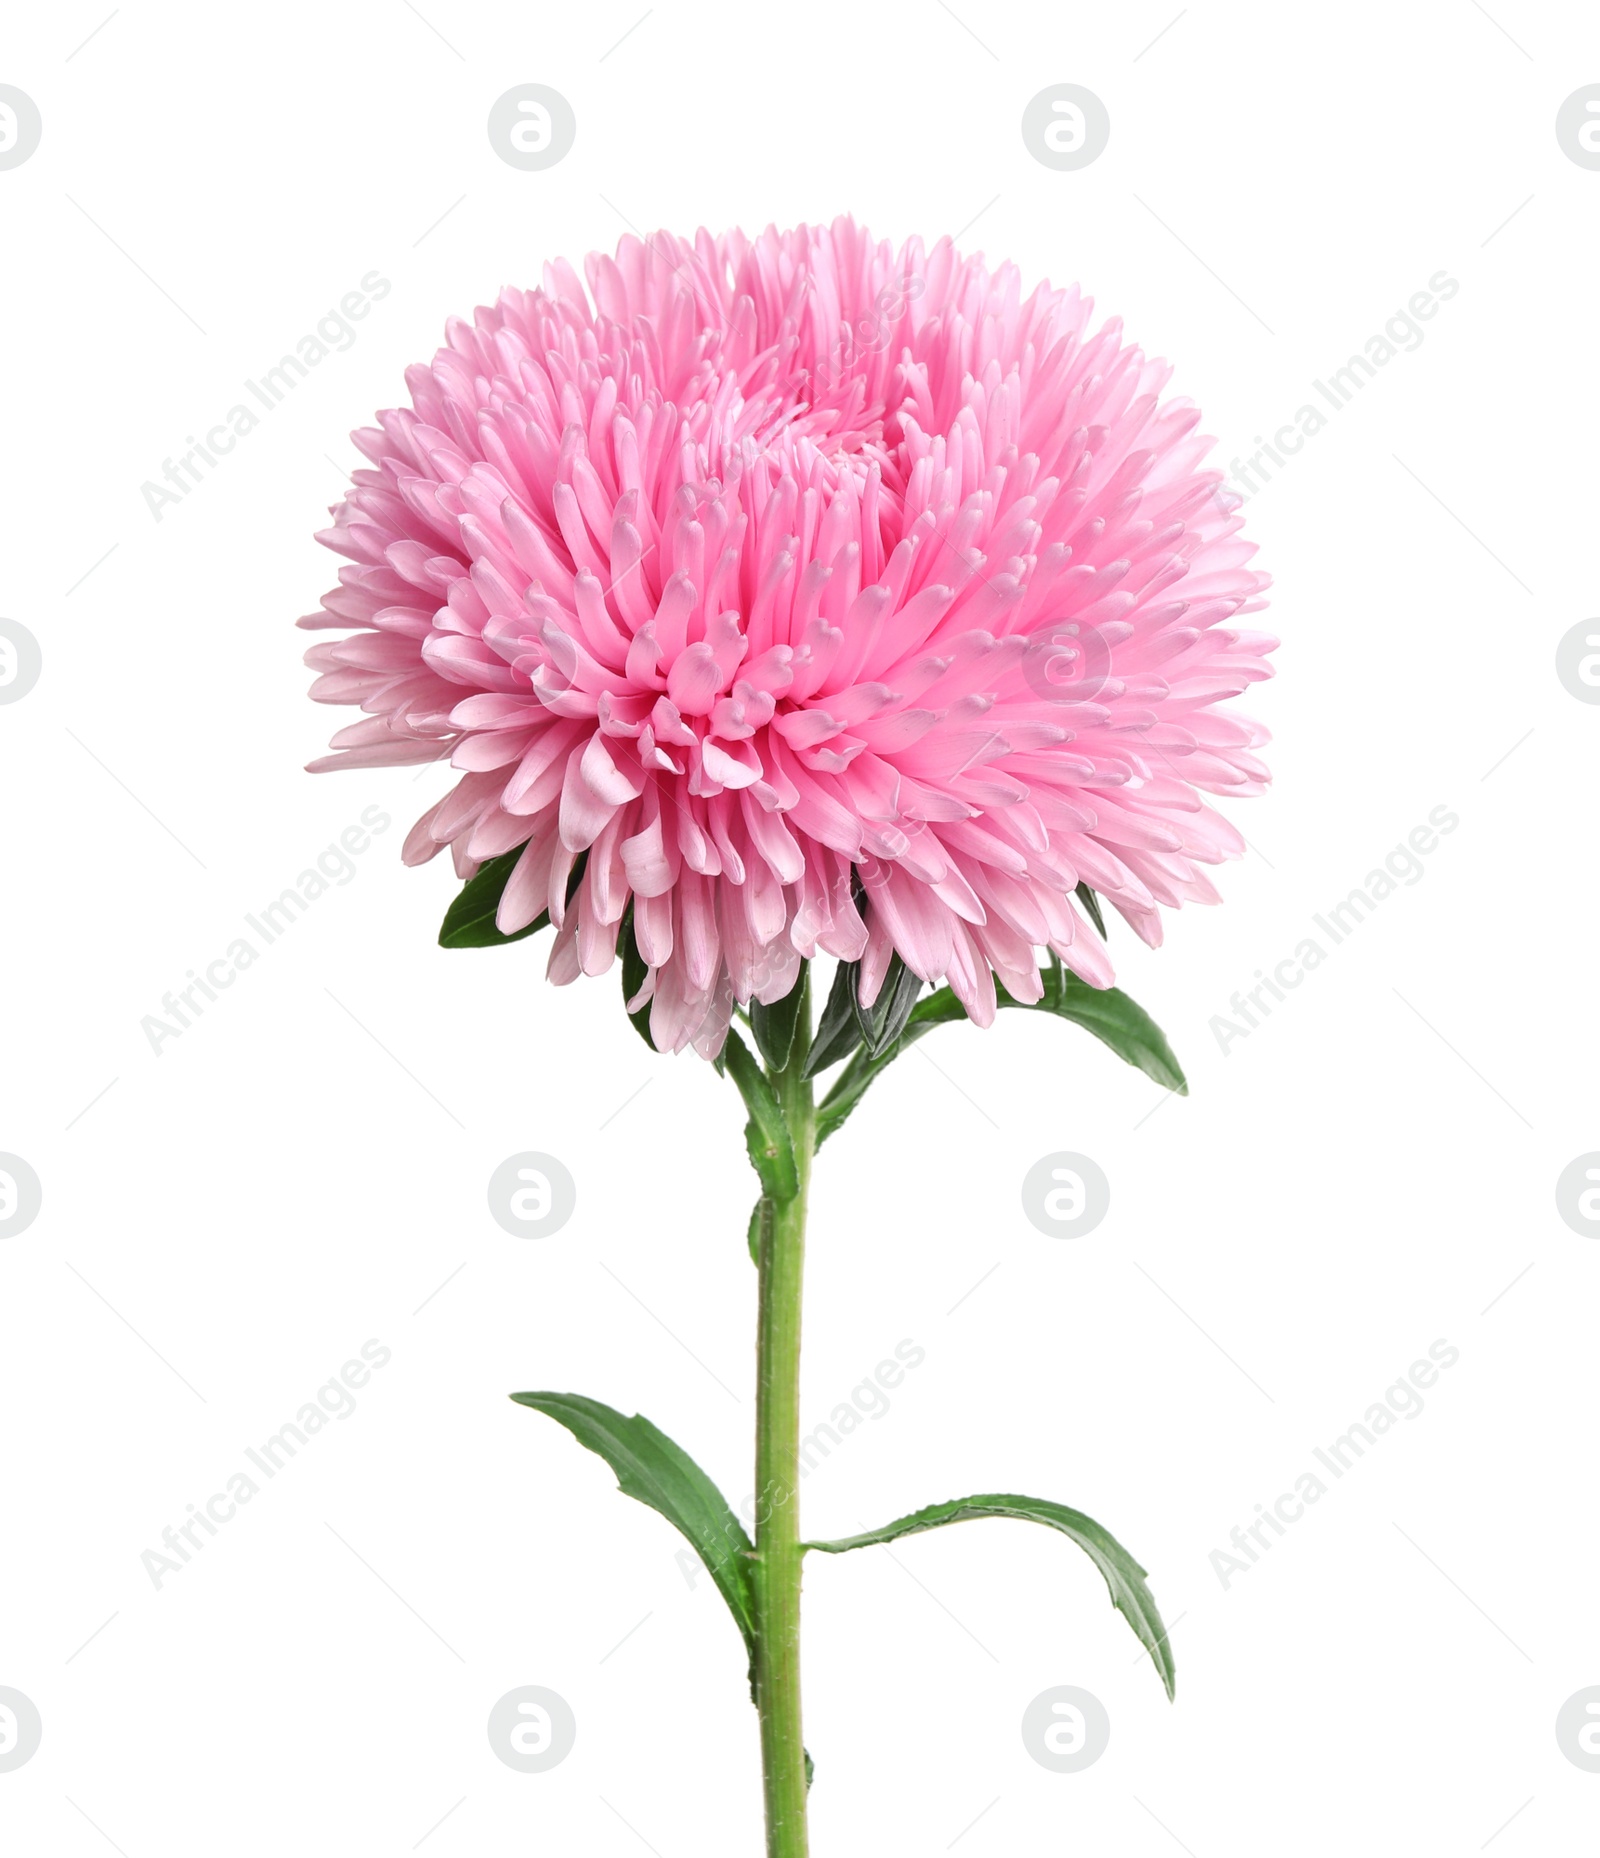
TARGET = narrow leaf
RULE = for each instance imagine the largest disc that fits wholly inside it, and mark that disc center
(655, 1471)
(634, 972)
(837, 1034)
(1091, 903)
(774, 1025)
(766, 1135)
(1122, 1574)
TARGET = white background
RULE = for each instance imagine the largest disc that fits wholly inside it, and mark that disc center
(304, 1168)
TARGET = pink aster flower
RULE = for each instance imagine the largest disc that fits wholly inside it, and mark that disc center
(807, 597)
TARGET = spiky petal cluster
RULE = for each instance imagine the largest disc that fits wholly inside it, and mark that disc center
(828, 598)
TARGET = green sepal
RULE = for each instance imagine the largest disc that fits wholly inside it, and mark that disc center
(837, 1034)
(863, 1069)
(766, 1134)
(635, 971)
(1091, 904)
(773, 1026)
(1123, 1575)
(883, 1022)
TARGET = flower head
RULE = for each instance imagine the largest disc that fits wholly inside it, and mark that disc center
(817, 597)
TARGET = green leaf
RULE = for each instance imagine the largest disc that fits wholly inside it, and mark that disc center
(837, 1034)
(651, 1468)
(469, 921)
(766, 1135)
(1115, 1020)
(1122, 1573)
(1108, 1013)
(1092, 904)
(634, 971)
(774, 1025)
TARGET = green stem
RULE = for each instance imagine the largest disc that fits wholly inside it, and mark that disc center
(778, 1553)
